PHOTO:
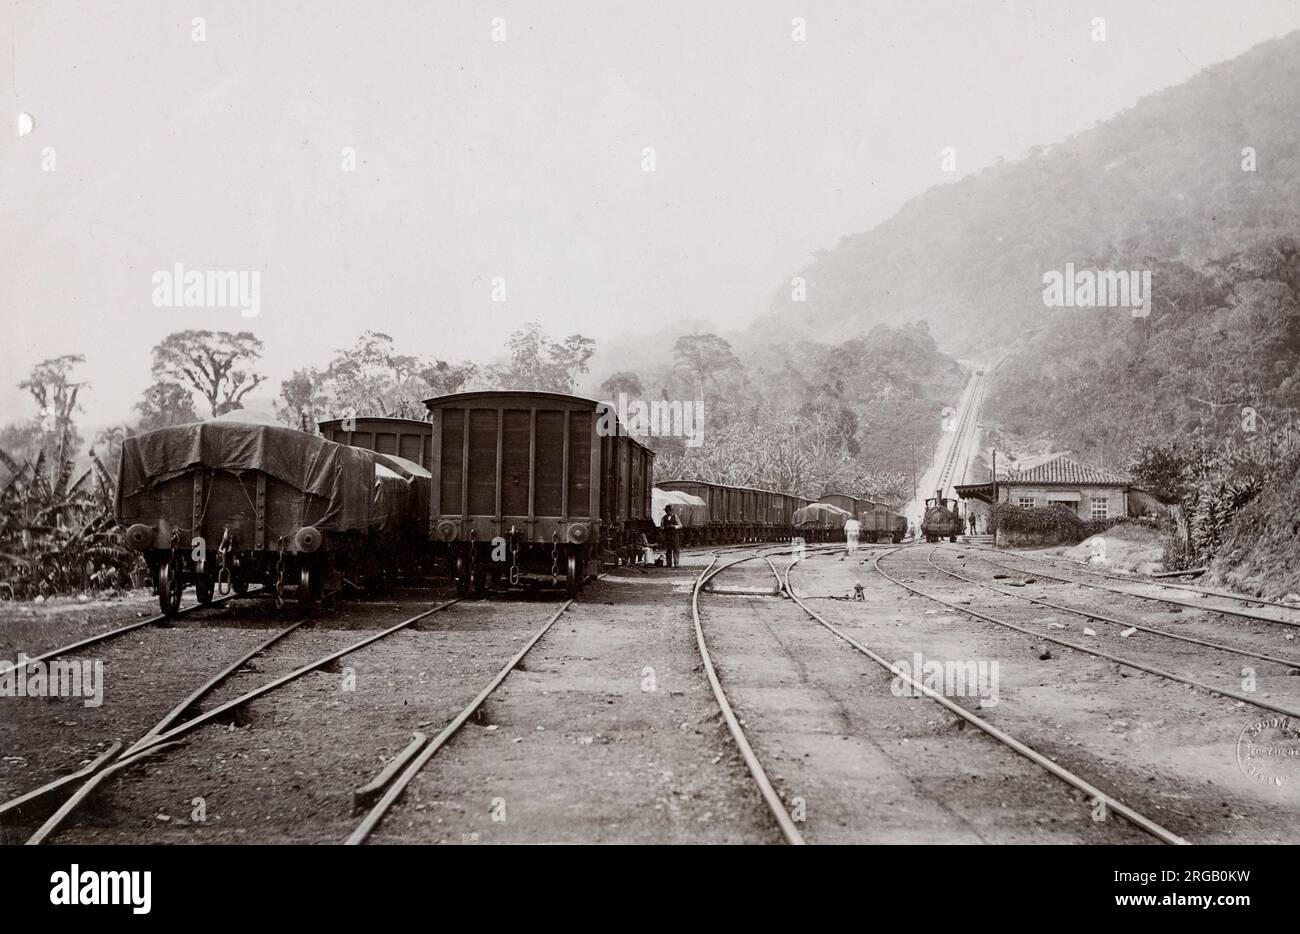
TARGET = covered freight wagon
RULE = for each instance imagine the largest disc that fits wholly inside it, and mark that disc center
(739, 514)
(223, 504)
(821, 522)
(535, 487)
(691, 511)
(403, 445)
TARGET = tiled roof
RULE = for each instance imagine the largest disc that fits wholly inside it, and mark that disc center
(1062, 469)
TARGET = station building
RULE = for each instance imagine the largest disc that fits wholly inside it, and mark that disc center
(1053, 480)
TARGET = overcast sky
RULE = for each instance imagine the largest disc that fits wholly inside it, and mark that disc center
(520, 159)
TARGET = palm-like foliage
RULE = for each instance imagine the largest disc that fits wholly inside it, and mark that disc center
(58, 533)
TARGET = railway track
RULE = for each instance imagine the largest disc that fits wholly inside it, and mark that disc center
(1114, 621)
(787, 826)
(417, 755)
(168, 733)
(132, 627)
(1082, 568)
(959, 448)
(1243, 610)
(1079, 647)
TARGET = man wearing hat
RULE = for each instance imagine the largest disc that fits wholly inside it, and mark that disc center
(670, 524)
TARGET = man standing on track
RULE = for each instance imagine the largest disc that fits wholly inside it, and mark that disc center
(852, 529)
(670, 524)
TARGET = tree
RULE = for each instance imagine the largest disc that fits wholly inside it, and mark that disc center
(571, 357)
(368, 378)
(539, 363)
(444, 378)
(702, 357)
(215, 363)
(625, 382)
(305, 403)
(165, 404)
(55, 391)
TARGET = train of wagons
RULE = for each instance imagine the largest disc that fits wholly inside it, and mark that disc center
(497, 487)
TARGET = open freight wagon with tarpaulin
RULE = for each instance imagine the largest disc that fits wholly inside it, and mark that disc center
(225, 504)
(535, 488)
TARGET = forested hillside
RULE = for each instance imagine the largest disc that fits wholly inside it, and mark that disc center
(1187, 174)
(808, 417)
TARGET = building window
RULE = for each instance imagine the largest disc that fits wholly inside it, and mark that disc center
(1099, 506)
(1026, 502)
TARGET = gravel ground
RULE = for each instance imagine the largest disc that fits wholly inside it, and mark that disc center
(608, 732)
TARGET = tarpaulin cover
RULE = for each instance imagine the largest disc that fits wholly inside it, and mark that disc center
(691, 510)
(820, 516)
(343, 476)
(393, 502)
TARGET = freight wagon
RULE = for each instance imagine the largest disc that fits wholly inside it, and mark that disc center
(406, 437)
(403, 445)
(879, 523)
(224, 504)
(738, 514)
(535, 487)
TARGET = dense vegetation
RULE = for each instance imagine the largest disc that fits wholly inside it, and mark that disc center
(1199, 185)
(810, 418)
(1166, 179)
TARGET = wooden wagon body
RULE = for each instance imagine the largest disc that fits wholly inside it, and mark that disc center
(529, 486)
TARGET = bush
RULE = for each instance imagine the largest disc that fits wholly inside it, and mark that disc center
(58, 535)
(1055, 524)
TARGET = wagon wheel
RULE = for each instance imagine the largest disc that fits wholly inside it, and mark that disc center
(308, 584)
(169, 588)
(572, 576)
(203, 590)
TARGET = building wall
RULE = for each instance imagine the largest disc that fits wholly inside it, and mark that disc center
(1116, 504)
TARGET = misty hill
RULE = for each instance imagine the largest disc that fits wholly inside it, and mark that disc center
(1163, 179)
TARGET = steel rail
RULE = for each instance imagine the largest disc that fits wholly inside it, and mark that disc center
(773, 800)
(92, 771)
(1103, 618)
(956, 445)
(154, 741)
(36, 794)
(180, 708)
(122, 630)
(1144, 580)
(1244, 613)
(1140, 666)
(145, 745)
(1070, 778)
(395, 790)
(188, 725)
